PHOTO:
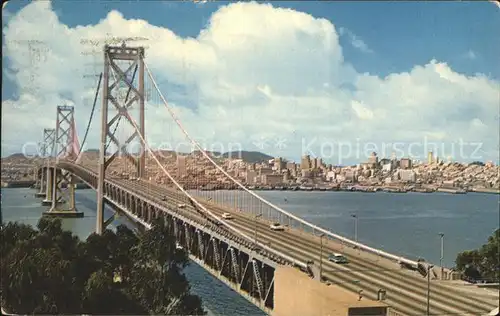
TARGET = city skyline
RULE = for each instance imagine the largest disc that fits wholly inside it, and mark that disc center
(368, 90)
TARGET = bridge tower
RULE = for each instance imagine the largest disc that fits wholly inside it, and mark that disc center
(63, 185)
(113, 60)
(46, 151)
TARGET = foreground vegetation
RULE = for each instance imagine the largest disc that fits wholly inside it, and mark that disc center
(483, 263)
(49, 271)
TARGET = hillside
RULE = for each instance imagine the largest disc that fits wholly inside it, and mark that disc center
(16, 156)
(248, 156)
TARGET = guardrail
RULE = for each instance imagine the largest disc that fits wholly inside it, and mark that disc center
(322, 230)
(265, 247)
(345, 240)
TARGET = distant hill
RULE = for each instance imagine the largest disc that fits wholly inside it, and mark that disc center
(16, 156)
(248, 156)
(211, 153)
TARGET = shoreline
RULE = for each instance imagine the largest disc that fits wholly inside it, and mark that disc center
(357, 190)
(362, 189)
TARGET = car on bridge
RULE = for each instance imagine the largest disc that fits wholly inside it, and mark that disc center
(277, 227)
(227, 216)
(337, 258)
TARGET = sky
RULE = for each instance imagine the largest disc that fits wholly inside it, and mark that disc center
(336, 80)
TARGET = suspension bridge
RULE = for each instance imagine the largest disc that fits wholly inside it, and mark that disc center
(282, 272)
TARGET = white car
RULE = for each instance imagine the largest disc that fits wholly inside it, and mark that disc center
(277, 227)
(337, 258)
(178, 246)
(181, 205)
(227, 216)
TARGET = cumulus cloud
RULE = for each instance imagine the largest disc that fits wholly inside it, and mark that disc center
(495, 2)
(355, 41)
(255, 75)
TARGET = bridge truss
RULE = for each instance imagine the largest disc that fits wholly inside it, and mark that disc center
(111, 94)
(63, 185)
(46, 151)
(142, 186)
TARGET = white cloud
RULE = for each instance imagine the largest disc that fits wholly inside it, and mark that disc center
(355, 41)
(255, 72)
(495, 2)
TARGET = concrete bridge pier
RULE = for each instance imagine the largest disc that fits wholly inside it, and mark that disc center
(48, 186)
(42, 185)
(63, 195)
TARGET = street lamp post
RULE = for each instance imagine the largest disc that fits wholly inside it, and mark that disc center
(321, 257)
(429, 267)
(355, 227)
(442, 254)
(255, 232)
(1, 217)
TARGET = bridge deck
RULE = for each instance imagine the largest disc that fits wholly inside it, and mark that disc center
(406, 290)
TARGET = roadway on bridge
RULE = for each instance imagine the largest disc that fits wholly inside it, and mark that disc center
(406, 290)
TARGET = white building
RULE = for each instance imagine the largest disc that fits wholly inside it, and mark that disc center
(330, 175)
(407, 175)
(181, 166)
(387, 167)
(250, 177)
(272, 179)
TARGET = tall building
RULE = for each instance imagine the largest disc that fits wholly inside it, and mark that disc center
(279, 164)
(263, 171)
(305, 163)
(373, 159)
(405, 163)
(250, 177)
(317, 163)
(430, 158)
(181, 165)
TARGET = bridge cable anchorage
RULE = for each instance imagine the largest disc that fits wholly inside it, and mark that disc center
(191, 198)
(280, 210)
(90, 119)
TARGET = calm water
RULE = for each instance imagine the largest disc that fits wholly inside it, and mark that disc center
(407, 224)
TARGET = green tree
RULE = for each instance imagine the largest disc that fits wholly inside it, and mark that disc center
(482, 263)
(51, 271)
(156, 257)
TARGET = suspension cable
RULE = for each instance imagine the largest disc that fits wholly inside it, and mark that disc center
(90, 119)
(189, 197)
(195, 143)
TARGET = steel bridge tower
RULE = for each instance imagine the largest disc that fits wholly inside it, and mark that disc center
(112, 55)
(63, 184)
(46, 150)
